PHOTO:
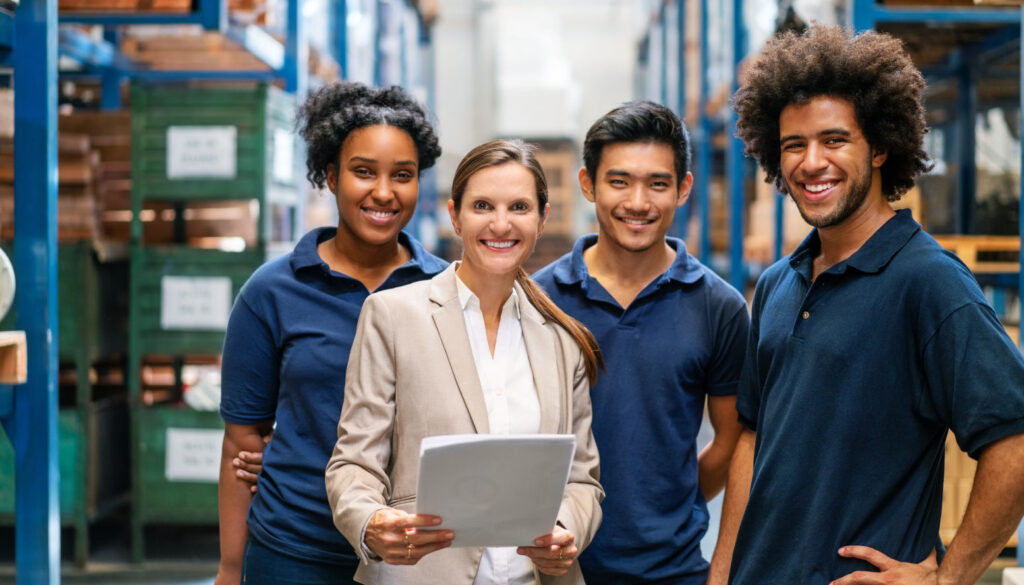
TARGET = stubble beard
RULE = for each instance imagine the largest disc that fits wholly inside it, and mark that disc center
(848, 203)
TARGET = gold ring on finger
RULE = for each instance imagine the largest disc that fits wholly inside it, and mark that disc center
(406, 539)
(408, 552)
(561, 554)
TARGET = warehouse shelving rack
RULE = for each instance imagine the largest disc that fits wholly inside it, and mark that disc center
(665, 82)
(255, 119)
(28, 43)
(92, 454)
(29, 411)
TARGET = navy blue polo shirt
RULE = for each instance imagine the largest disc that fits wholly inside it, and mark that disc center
(679, 341)
(851, 382)
(285, 355)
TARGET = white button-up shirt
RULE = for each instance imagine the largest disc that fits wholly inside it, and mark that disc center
(512, 408)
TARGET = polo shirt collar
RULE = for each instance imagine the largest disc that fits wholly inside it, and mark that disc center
(684, 267)
(305, 254)
(874, 255)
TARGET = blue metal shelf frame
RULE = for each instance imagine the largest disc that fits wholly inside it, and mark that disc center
(702, 181)
(735, 162)
(211, 14)
(736, 167)
(865, 14)
(288, 62)
(32, 424)
(683, 213)
(340, 14)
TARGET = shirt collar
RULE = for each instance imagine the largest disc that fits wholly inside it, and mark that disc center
(306, 255)
(684, 268)
(469, 299)
(874, 255)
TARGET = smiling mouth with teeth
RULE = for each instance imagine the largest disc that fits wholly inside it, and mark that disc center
(819, 188)
(504, 244)
(635, 221)
(382, 214)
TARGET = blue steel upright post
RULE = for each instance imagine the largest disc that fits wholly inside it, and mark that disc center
(37, 517)
(296, 53)
(702, 182)
(340, 30)
(683, 213)
(734, 162)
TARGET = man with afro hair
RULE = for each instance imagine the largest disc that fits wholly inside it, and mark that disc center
(867, 344)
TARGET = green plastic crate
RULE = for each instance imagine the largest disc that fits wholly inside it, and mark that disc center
(164, 499)
(261, 117)
(149, 267)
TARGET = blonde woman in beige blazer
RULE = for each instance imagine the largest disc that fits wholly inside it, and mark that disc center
(413, 373)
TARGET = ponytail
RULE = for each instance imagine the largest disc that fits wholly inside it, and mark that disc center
(580, 334)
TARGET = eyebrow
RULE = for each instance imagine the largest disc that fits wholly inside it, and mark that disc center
(621, 173)
(826, 132)
(374, 161)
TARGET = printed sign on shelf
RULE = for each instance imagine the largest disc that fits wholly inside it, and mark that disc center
(193, 454)
(284, 155)
(202, 152)
(195, 302)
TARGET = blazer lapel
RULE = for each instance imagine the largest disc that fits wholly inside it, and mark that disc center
(544, 356)
(451, 329)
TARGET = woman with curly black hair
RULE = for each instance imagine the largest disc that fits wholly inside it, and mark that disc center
(292, 326)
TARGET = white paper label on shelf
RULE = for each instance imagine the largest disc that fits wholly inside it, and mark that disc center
(284, 155)
(202, 152)
(195, 302)
(193, 454)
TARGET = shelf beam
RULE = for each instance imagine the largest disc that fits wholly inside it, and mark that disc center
(211, 15)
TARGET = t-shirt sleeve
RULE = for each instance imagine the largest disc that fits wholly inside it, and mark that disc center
(748, 390)
(730, 343)
(249, 368)
(975, 378)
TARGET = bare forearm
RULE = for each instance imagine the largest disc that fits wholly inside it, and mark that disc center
(737, 492)
(713, 462)
(993, 512)
(713, 469)
(233, 498)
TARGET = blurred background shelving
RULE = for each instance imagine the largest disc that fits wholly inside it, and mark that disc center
(108, 240)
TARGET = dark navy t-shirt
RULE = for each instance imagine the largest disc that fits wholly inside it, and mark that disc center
(851, 383)
(679, 341)
(285, 355)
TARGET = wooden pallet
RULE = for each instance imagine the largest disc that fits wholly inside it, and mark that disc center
(205, 51)
(985, 254)
(120, 6)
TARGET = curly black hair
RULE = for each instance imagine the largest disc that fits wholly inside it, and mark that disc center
(640, 121)
(870, 70)
(332, 113)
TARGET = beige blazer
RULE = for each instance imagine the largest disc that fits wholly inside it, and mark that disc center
(411, 375)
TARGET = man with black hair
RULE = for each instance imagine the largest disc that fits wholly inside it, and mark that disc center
(672, 334)
(867, 344)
